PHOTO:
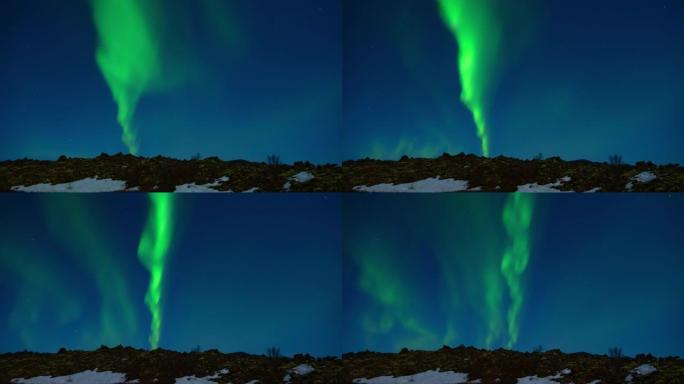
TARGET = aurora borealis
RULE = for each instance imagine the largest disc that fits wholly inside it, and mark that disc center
(70, 275)
(153, 253)
(129, 55)
(576, 273)
(576, 79)
(238, 79)
(477, 32)
(380, 272)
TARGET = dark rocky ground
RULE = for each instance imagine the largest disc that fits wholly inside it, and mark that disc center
(502, 174)
(165, 366)
(505, 366)
(164, 174)
(498, 366)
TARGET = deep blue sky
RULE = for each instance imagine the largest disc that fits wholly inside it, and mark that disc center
(244, 274)
(603, 271)
(578, 79)
(272, 84)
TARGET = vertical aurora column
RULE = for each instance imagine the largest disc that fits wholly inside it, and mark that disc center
(128, 55)
(517, 216)
(477, 33)
(152, 252)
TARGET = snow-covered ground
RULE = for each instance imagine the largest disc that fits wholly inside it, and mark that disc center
(643, 177)
(94, 185)
(108, 377)
(642, 370)
(428, 377)
(86, 185)
(436, 185)
(301, 369)
(551, 187)
(301, 177)
(202, 188)
(450, 377)
(429, 185)
(86, 377)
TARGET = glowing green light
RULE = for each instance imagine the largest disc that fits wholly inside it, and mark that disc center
(517, 215)
(152, 252)
(128, 55)
(75, 227)
(476, 30)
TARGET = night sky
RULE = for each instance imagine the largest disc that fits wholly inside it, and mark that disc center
(603, 271)
(244, 273)
(241, 79)
(576, 79)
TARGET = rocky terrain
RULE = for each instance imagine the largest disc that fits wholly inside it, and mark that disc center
(443, 366)
(164, 174)
(164, 366)
(447, 173)
(509, 367)
(506, 174)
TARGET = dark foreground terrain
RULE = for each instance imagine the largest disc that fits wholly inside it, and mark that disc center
(506, 174)
(498, 366)
(507, 367)
(164, 366)
(474, 173)
(164, 174)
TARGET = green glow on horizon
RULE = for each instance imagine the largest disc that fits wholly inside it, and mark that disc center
(381, 280)
(77, 228)
(476, 30)
(41, 293)
(152, 252)
(129, 56)
(517, 216)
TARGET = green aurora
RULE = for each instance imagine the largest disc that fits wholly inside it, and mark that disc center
(152, 252)
(74, 226)
(477, 32)
(517, 217)
(488, 288)
(129, 55)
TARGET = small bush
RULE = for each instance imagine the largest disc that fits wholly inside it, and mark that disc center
(539, 157)
(196, 156)
(273, 353)
(615, 353)
(197, 349)
(615, 159)
(538, 349)
(273, 160)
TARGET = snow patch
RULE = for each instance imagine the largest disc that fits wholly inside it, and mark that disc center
(642, 370)
(429, 185)
(301, 177)
(544, 188)
(428, 377)
(87, 185)
(643, 177)
(201, 188)
(85, 377)
(544, 380)
(202, 380)
(301, 369)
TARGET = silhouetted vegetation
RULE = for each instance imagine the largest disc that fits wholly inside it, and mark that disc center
(615, 353)
(273, 353)
(615, 160)
(273, 160)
